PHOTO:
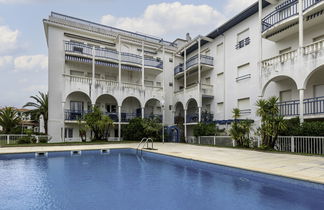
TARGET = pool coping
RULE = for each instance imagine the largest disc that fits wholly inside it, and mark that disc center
(17, 150)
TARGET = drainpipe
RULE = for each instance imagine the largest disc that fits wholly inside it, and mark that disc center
(199, 83)
(119, 123)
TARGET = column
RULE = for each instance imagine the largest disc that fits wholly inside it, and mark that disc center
(143, 108)
(163, 116)
(119, 62)
(301, 105)
(260, 46)
(185, 124)
(184, 69)
(301, 24)
(199, 82)
(63, 128)
(93, 75)
(119, 123)
(143, 65)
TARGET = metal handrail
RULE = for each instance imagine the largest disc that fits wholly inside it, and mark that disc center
(140, 143)
(147, 143)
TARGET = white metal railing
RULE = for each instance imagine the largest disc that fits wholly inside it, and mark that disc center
(131, 85)
(212, 140)
(314, 47)
(282, 58)
(14, 138)
(301, 144)
(106, 83)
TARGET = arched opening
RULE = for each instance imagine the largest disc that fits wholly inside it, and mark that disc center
(285, 89)
(130, 109)
(192, 111)
(179, 113)
(314, 92)
(153, 110)
(108, 105)
(77, 104)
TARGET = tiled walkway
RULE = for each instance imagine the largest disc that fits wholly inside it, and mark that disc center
(309, 168)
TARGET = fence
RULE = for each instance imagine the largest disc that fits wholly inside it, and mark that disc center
(212, 140)
(14, 138)
(301, 144)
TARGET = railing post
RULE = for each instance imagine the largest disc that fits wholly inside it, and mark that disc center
(214, 140)
(233, 142)
(198, 139)
(292, 144)
(8, 139)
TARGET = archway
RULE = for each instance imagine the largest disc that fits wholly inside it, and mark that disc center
(130, 109)
(108, 105)
(77, 104)
(179, 113)
(192, 111)
(153, 109)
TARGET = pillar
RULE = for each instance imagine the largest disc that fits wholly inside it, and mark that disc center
(301, 24)
(184, 69)
(119, 123)
(143, 65)
(163, 116)
(119, 62)
(92, 95)
(185, 124)
(199, 113)
(301, 105)
(199, 82)
(143, 112)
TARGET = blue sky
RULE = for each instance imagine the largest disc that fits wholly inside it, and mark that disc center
(23, 50)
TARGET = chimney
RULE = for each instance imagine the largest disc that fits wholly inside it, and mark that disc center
(188, 37)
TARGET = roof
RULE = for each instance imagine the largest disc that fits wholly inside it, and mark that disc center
(248, 12)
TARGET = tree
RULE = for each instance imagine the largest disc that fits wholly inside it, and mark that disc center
(272, 123)
(41, 107)
(98, 123)
(139, 128)
(9, 119)
(240, 130)
(82, 130)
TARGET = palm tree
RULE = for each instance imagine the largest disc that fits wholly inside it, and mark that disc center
(9, 119)
(41, 107)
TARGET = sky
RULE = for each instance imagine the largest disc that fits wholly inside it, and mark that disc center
(23, 49)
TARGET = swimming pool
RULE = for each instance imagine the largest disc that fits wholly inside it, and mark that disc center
(123, 180)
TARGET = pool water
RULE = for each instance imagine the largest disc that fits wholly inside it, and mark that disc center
(124, 180)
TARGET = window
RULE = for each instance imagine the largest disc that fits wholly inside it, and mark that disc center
(170, 84)
(318, 38)
(170, 107)
(111, 108)
(171, 60)
(285, 50)
(68, 133)
(76, 106)
(318, 90)
(244, 105)
(243, 72)
(285, 95)
(220, 107)
(77, 73)
(243, 39)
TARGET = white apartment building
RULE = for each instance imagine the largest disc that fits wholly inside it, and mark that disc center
(272, 48)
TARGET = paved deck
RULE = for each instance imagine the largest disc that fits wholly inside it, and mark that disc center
(309, 168)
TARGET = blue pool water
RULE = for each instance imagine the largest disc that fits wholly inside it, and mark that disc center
(123, 180)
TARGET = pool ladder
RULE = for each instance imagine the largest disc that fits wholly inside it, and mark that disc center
(147, 140)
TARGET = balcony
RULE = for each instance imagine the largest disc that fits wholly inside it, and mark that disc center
(312, 106)
(205, 118)
(74, 115)
(112, 115)
(192, 62)
(283, 21)
(126, 117)
(108, 57)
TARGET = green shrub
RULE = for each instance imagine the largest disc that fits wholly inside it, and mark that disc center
(309, 128)
(24, 140)
(42, 140)
(139, 128)
(203, 129)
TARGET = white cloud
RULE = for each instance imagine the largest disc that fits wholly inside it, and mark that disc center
(8, 39)
(233, 7)
(5, 61)
(33, 63)
(170, 19)
(18, 1)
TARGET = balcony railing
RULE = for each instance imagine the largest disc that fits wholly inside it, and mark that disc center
(284, 11)
(205, 117)
(288, 108)
(74, 115)
(204, 59)
(192, 118)
(178, 69)
(314, 106)
(82, 49)
(153, 63)
(126, 117)
(282, 58)
(157, 117)
(112, 115)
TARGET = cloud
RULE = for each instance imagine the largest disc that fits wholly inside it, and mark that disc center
(170, 19)
(233, 7)
(18, 1)
(33, 63)
(8, 39)
(5, 62)
(35, 88)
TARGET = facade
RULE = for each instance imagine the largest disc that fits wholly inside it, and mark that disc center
(272, 48)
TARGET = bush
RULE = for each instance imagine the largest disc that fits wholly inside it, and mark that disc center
(24, 140)
(139, 128)
(311, 128)
(42, 140)
(203, 129)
